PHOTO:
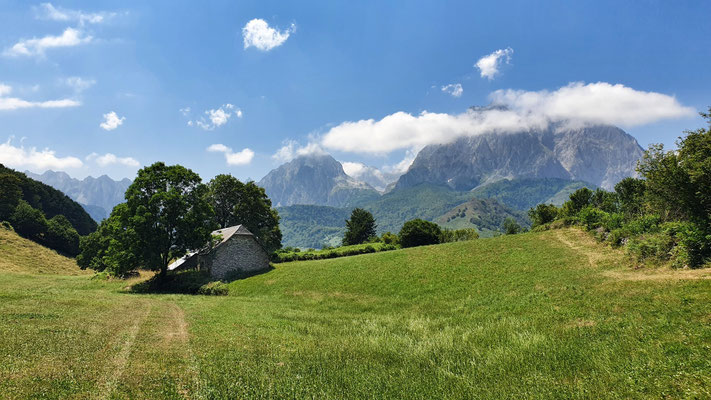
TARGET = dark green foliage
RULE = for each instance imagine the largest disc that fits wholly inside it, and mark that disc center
(522, 194)
(389, 238)
(62, 236)
(10, 195)
(579, 199)
(360, 227)
(51, 201)
(247, 204)
(591, 217)
(630, 195)
(511, 227)
(418, 232)
(225, 192)
(542, 214)
(604, 200)
(167, 209)
(28, 221)
(165, 215)
(113, 247)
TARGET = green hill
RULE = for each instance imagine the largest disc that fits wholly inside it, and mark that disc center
(522, 194)
(20, 255)
(549, 315)
(52, 202)
(485, 215)
(307, 226)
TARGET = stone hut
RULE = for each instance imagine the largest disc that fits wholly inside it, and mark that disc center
(238, 251)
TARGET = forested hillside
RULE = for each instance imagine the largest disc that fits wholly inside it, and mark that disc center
(49, 200)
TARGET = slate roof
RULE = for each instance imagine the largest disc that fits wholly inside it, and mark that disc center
(227, 233)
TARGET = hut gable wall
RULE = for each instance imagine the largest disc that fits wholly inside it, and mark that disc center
(240, 253)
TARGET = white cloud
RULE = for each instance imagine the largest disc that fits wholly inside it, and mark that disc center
(37, 46)
(577, 104)
(215, 117)
(454, 89)
(402, 167)
(33, 159)
(219, 148)
(111, 121)
(291, 149)
(79, 84)
(14, 103)
(48, 11)
(489, 64)
(595, 103)
(5, 89)
(110, 159)
(377, 178)
(257, 33)
(354, 169)
(242, 157)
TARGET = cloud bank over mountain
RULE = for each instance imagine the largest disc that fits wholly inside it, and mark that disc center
(576, 104)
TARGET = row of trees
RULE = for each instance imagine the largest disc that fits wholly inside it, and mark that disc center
(361, 228)
(664, 216)
(168, 212)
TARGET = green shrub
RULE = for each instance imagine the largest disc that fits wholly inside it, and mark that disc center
(418, 232)
(613, 221)
(511, 227)
(390, 238)
(644, 224)
(216, 288)
(618, 237)
(693, 244)
(655, 247)
(28, 222)
(543, 214)
(591, 217)
(62, 236)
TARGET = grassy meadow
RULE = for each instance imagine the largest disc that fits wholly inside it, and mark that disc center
(536, 315)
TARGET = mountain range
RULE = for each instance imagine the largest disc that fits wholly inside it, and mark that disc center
(315, 179)
(98, 196)
(600, 155)
(475, 181)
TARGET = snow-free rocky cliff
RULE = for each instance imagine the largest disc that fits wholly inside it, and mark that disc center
(314, 179)
(601, 155)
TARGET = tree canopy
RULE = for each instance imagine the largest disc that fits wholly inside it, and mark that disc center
(247, 204)
(360, 227)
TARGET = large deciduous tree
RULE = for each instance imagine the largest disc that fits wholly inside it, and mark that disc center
(359, 228)
(167, 210)
(247, 204)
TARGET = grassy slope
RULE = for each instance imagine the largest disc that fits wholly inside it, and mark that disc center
(20, 255)
(539, 315)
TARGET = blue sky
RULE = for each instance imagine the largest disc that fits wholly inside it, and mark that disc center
(314, 73)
